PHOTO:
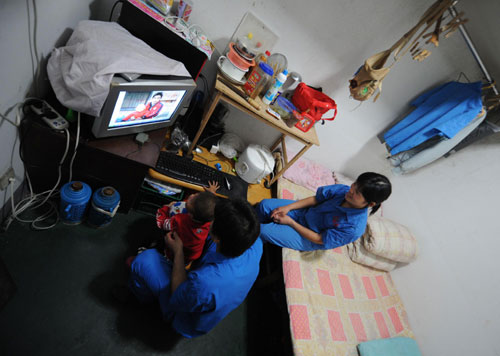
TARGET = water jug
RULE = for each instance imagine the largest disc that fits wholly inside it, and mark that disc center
(75, 196)
(105, 203)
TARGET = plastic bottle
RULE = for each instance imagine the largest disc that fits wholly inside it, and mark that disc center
(259, 77)
(262, 57)
(275, 86)
(75, 197)
(104, 204)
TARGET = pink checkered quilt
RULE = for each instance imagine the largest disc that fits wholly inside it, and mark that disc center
(334, 303)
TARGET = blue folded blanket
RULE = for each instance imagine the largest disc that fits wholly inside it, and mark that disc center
(396, 346)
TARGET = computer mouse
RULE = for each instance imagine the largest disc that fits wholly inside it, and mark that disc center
(228, 185)
(198, 150)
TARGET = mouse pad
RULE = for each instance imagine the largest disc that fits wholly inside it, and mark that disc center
(239, 188)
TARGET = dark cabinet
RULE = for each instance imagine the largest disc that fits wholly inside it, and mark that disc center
(116, 162)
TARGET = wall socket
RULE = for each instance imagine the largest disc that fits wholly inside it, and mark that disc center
(4, 179)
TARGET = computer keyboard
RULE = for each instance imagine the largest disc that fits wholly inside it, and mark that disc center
(196, 173)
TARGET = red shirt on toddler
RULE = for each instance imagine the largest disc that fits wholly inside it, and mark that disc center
(192, 234)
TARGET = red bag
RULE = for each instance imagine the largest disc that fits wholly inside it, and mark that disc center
(312, 104)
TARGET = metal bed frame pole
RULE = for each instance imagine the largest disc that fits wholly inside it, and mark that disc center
(473, 50)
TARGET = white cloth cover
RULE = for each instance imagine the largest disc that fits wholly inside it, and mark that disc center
(81, 72)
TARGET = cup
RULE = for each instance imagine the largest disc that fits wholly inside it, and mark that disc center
(230, 69)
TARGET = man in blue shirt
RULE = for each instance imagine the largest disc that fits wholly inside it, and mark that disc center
(197, 300)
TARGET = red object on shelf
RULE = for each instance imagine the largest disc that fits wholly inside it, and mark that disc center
(312, 104)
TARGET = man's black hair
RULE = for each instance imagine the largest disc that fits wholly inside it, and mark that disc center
(203, 207)
(236, 226)
(159, 93)
(375, 188)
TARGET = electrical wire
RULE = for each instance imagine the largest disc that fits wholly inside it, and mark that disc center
(7, 119)
(35, 28)
(189, 31)
(205, 84)
(32, 40)
(208, 161)
(460, 76)
(211, 136)
(18, 106)
(113, 9)
(131, 153)
(76, 149)
(35, 201)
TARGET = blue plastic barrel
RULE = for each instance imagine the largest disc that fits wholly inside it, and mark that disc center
(105, 203)
(75, 197)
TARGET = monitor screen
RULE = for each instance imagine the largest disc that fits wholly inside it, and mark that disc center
(144, 107)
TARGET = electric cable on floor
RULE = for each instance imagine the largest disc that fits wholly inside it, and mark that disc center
(35, 201)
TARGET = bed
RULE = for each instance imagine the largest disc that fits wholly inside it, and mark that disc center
(333, 303)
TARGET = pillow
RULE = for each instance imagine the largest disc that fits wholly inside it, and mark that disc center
(396, 346)
(308, 174)
(342, 179)
(391, 240)
(359, 254)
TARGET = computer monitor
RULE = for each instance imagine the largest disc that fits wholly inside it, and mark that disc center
(142, 105)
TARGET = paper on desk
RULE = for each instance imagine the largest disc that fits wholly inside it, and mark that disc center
(81, 72)
(162, 188)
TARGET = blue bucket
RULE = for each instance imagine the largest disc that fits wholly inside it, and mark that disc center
(74, 200)
(105, 203)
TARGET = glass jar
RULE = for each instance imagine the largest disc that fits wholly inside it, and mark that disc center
(286, 110)
(258, 78)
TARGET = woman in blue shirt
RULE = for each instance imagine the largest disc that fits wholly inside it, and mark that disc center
(334, 217)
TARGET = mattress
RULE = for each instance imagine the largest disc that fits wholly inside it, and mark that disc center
(334, 303)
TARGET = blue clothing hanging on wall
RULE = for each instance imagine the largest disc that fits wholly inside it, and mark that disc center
(442, 111)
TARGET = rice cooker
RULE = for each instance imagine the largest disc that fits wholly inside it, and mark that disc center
(254, 163)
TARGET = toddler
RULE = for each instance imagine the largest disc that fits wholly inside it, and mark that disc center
(191, 220)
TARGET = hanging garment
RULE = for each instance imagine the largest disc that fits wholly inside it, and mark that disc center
(408, 161)
(442, 111)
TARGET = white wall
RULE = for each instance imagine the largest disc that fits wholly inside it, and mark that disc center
(451, 291)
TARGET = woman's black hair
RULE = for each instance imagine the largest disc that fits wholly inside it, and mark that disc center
(375, 188)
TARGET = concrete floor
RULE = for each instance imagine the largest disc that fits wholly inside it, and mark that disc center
(63, 304)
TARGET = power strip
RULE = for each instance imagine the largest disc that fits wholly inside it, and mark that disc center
(49, 115)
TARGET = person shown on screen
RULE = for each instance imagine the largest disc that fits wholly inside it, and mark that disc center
(335, 216)
(151, 109)
(196, 301)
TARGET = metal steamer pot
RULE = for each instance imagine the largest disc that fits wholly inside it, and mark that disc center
(244, 49)
(255, 163)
